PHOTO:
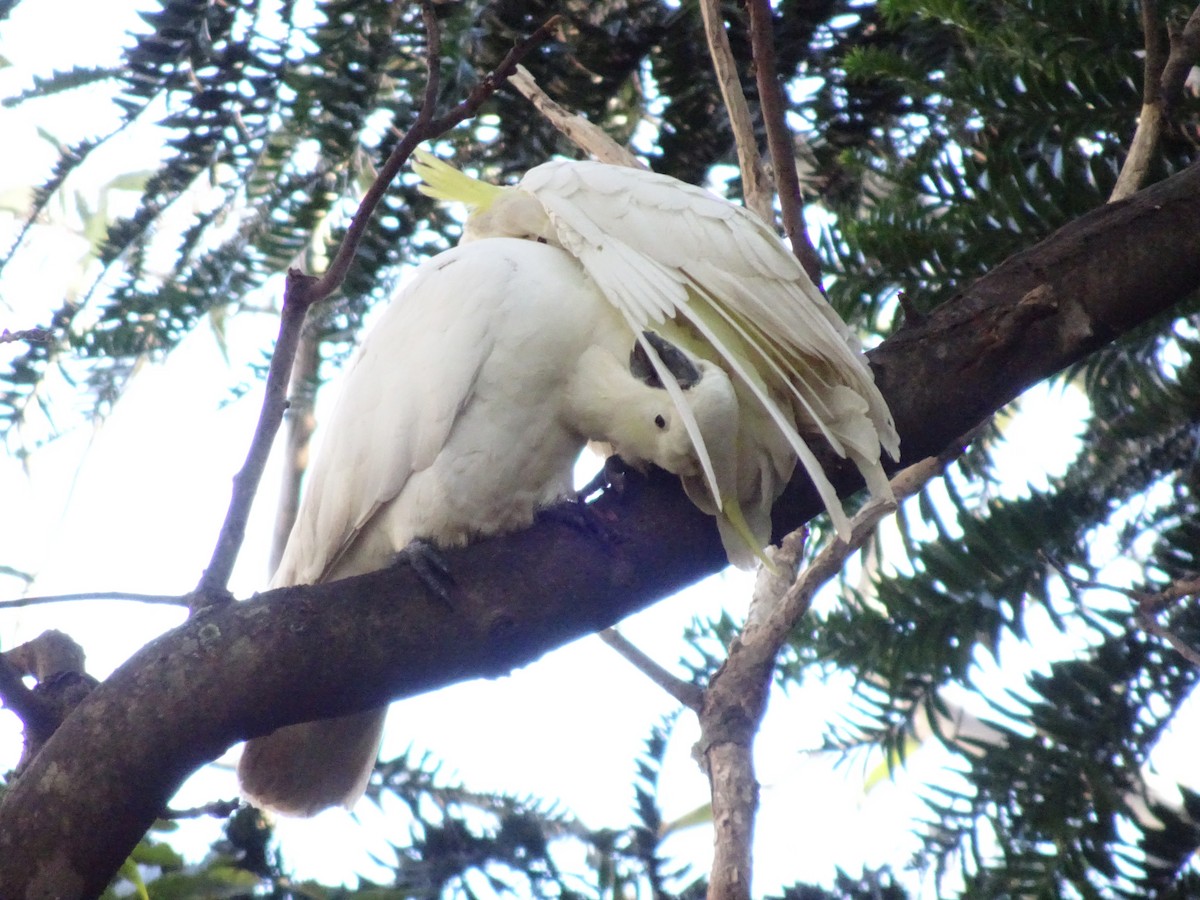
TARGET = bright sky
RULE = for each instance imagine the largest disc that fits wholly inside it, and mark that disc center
(135, 504)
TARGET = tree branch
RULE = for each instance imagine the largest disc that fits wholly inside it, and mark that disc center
(1185, 53)
(36, 335)
(34, 713)
(233, 672)
(736, 699)
(779, 138)
(160, 599)
(300, 421)
(56, 661)
(756, 186)
(1144, 145)
(585, 135)
(684, 691)
(1148, 604)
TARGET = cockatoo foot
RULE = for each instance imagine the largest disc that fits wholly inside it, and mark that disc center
(430, 566)
(611, 477)
(578, 514)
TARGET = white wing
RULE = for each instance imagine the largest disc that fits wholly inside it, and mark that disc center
(663, 251)
(399, 400)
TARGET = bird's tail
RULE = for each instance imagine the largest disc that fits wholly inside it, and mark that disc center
(442, 181)
(743, 537)
(302, 769)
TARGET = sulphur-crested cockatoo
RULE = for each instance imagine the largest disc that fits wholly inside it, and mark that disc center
(712, 278)
(461, 414)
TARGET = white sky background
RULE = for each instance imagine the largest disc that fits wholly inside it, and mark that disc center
(135, 505)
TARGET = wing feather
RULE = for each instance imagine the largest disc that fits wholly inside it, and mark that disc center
(355, 479)
(663, 251)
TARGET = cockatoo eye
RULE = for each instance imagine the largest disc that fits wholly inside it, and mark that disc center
(660, 421)
(673, 359)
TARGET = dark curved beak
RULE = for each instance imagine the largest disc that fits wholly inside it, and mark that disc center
(674, 359)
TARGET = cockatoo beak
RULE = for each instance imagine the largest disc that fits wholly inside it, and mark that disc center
(677, 362)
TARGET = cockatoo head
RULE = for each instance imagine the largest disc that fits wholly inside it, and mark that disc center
(655, 431)
(514, 213)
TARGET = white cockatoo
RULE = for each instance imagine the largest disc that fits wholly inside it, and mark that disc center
(462, 413)
(713, 279)
(590, 302)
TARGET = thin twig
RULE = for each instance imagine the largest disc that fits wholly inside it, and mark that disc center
(302, 291)
(779, 139)
(588, 137)
(736, 699)
(36, 335)
(1182, 647)
(1148, 604)
(467, 108)
(10, 572)
(299, 424)
(684, 691)
(1157, 601)
(756, 184)
(421, 129)
(1142, 148)
(161, 599)
(219, 809)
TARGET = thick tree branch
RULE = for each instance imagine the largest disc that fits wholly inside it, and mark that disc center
(244, 669)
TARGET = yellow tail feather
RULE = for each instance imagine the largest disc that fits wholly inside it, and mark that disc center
(733, 515)
(444, 182)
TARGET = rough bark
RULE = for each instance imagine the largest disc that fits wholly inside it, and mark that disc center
(243, 669)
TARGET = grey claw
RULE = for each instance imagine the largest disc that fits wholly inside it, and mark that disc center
(610, 477)
(430, 566)
(576, 513)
